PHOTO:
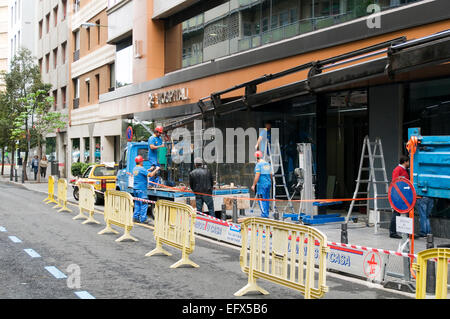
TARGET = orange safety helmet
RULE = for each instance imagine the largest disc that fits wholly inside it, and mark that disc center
(139, 159)
(258, 154)
(159, 129)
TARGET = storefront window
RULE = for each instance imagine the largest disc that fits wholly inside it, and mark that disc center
(75, 150)
(87, 149)
(97, 153)
(240, 25)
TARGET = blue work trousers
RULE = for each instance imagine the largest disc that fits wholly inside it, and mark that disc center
(140, 208)
(264, 193)
(425, 205)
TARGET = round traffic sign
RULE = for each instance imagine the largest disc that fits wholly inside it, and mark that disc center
(129, 133)
(402, 195)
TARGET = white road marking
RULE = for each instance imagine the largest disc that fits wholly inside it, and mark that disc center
(2, 229)
(14, 239)
(84, 295)
(58, 274)
(32, 253)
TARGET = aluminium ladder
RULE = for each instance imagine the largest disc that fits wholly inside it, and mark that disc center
(278, 179)
(376, 181)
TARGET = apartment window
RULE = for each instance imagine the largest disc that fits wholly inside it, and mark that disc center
(40, 65)
(88, 91)
(88, 38)
(76, 93)
(64, 9)
(40, 29)
(55, 58)
(98, 31)
(55, 99)
(55, 15)
(63, 97)
(47, 21)
(76, 6)
(63, 52)
(124, 63)
(97, 84)
(112, 76)
(47, 62)
(76, 49)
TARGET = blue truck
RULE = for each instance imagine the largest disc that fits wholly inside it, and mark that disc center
(125, 180)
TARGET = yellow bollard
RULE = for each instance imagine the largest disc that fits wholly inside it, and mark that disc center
(51, 191)
(174, 226)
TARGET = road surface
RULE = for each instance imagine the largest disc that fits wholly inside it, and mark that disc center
(57, 247)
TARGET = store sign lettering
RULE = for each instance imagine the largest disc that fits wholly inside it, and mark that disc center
(170, 96)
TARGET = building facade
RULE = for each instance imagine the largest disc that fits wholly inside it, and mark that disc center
(91, 137)
(52, 21)
(205, 48)
(22, 15)
(4, 43)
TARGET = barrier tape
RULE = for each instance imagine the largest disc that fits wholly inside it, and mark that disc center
(270, 200)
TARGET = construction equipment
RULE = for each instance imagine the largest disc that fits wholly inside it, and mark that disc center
(278, 178)
(375, 178)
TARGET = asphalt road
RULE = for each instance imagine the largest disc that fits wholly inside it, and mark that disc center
(120, 270)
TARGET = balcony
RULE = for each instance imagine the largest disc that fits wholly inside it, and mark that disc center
(76, 55)
(76, 103)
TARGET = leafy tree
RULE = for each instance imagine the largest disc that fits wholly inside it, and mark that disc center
(23, 78)
(36, 111)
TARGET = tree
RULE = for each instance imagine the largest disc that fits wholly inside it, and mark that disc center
(23, 78)
(36, 111)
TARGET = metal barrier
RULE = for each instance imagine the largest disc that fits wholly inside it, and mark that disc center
(276, 251)
(86, 203)
(62, 196)
(51, 191)
(442, 255)
(118, 211)
(174, 226)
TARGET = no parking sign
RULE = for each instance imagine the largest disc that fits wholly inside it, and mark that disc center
(402, 195)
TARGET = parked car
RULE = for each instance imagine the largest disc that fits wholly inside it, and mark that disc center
(102, 176)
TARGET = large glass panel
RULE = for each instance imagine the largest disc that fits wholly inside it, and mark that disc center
(240, 25)
(124, 63)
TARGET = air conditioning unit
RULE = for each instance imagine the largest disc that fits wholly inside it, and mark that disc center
(138, 49)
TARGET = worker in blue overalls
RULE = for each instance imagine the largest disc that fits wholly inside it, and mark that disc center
(262, 182)
(140, 176)
(154, 143)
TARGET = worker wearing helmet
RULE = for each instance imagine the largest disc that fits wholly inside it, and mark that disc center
(140, 175)
(154, 143)
(263, 183)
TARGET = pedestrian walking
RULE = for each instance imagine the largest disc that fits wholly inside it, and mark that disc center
(43, 165)
(35, 166)
(140, 183)
(401, 171)
(262, 183)
(201, 181)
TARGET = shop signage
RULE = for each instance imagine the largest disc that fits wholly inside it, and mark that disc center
(165, 97)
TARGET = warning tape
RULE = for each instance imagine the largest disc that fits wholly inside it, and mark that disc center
(383, 251)
(269, 200)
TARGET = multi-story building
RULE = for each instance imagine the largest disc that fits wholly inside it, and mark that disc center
(4, 43)
(92, 138)
(52, 51)
(22, 24)
(332, 99)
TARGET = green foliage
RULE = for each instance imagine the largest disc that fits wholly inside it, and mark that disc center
(78, 168)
